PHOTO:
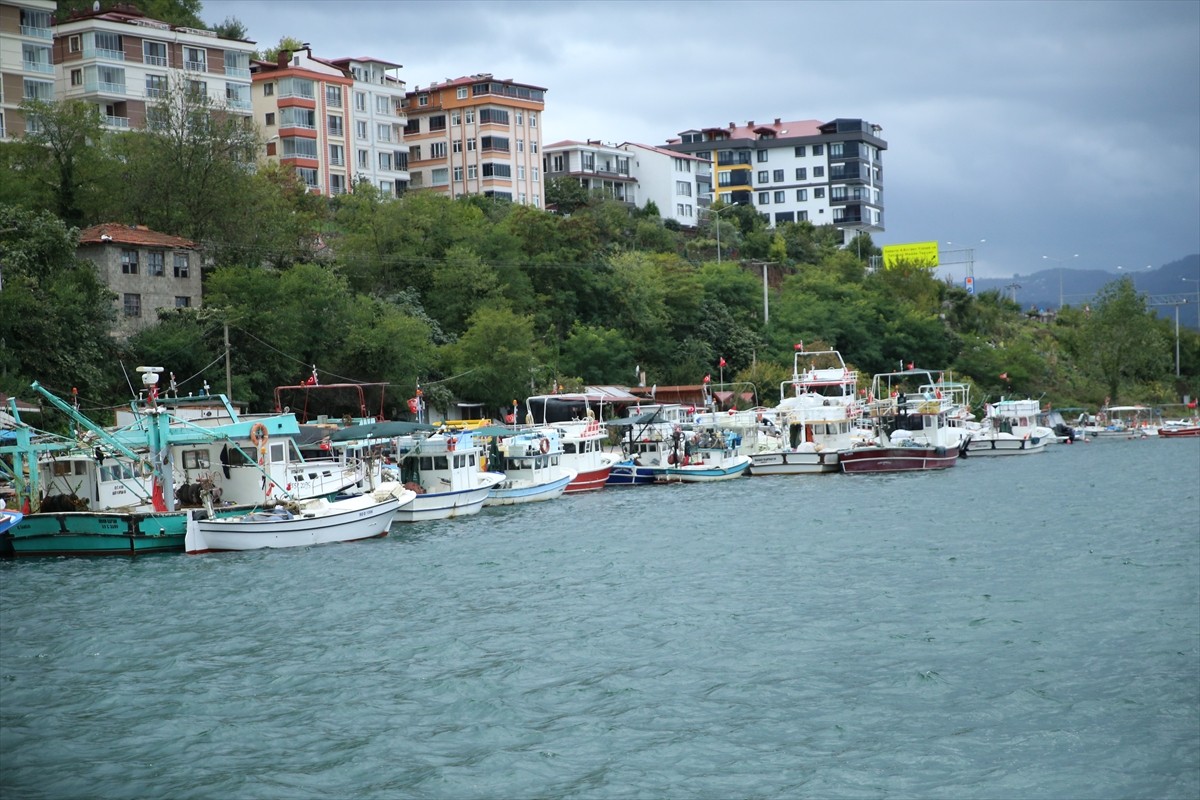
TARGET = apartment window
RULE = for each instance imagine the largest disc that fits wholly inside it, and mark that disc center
(762, 176)
(532, 119)
(801, 216)
(462, 93)
(471, 144)
(37, 90)
(839, 214)
(156, 86)
(73, 44)
(800, 151)
(520, 118)
(360, 129)
(777, 176)
(520, 145)
(337, 183)
(802, 194)
(298, 87)
(456, 146)
(837, 193)
(299, 147)
(308, 175)
(414, 152)
(818, 172)
(197, 90)
(385, 161)
(268, 89)
(335, 125)
(455, 117)
(383, 132)
(154, 53)
(784, 216)
(440, 177)
(801, 173)
(779, 197)
(195, 59)
(129, 262)
(491, 170)
(109, 44)
(182, 301)
(337, 155)
(836, 149)
(534, 179)
(494, 143)
(360, 101)
(469, 116)
(386, 188)
(364, 159)
(472, 172)
(818, 193)
(132, 304)
(683, 188)
(493, 116)
(818, 149)
(437, 122)
(762, 156)
(533, 149)
(293, 117)
(77, 77)
(764, 198)
(423, 100)
(557, 163)
(156, 263)
(437, 150)
(520, 173)
(458, 174)
(270, 119)
(333, 96)
(181, 266)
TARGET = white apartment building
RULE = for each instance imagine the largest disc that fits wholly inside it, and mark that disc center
(375, 143)
(123, 61)
(598, 167)
(822, 172)
(26, 60)
(675, 182)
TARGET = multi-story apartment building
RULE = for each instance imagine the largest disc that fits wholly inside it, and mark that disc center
(123, 62)
(147, 270)
(675, 182)
(335, 122)
(26, 60)
(827, 173)
(599, 167)
(375, 147)
(477, 135)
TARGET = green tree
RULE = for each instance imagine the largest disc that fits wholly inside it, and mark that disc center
(55, 313)
(1120, 338)
(63, 157)
(176, 12)
(598, 355)
(286, 43)
(494, 360)
(565, 195)
(230, 28)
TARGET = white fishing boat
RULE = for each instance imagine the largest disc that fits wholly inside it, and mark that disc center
(533, 469)
(301, 524)
(1010, 428)
(445, 471)
(707, 456)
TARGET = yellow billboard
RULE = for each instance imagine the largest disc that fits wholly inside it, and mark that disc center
(917, 254)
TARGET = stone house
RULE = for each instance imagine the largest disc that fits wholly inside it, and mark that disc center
(147, 270)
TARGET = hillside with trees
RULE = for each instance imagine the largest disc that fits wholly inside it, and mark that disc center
(490, 301)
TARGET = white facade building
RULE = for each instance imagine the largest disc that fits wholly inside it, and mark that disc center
(26, 60)
(598, 167)
(676, 182)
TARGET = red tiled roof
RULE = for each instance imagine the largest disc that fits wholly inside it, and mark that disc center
(132, 234)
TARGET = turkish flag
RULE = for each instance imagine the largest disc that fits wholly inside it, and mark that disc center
(708, 378)
(1003, 376)
(414, 404)
(722, 362)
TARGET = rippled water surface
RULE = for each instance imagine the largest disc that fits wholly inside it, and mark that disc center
(1010, 628)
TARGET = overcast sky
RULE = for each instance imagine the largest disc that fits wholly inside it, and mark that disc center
(1044, 128)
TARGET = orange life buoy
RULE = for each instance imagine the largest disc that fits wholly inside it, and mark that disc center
(259, 435)
(545, 446)
(451, 443)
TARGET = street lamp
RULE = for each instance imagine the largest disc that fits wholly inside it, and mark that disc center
(717, 213)
(1060, 276)
(1197, 293)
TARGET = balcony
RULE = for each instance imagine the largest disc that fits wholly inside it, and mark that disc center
(104, 87)
(37, 33)
(240, 105)
(195, 66)
(154, 61)
(38, 66)
(237, 72)
(116, 122)
(100, 52)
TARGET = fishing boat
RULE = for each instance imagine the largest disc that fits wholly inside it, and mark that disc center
(445, 470)
(911, 427)
(8, 518)
(709, 455)
(816, 417)
(123, 490)
(310, 522)
(1010, 428)
(645, 445)
(533, 470)
(575, 417)
(1180, 429)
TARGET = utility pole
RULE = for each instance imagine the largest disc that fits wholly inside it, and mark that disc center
(1171, 300)
(228, 367)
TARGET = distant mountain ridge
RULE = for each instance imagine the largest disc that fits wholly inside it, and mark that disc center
(1041, 289)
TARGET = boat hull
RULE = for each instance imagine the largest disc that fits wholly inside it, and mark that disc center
(368, 519)
(502, 495)
(82, 533)
(897, 459)
(590, 480)
(793, 463)
(1000, 446)
(706, 474)
(1179, 433)
(444, 505)
(626, 473)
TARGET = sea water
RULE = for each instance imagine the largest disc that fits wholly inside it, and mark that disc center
(1021, 627)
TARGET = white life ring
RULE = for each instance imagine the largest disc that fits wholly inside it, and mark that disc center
(545, 446)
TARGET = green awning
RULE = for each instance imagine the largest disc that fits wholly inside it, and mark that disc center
(378, 430)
